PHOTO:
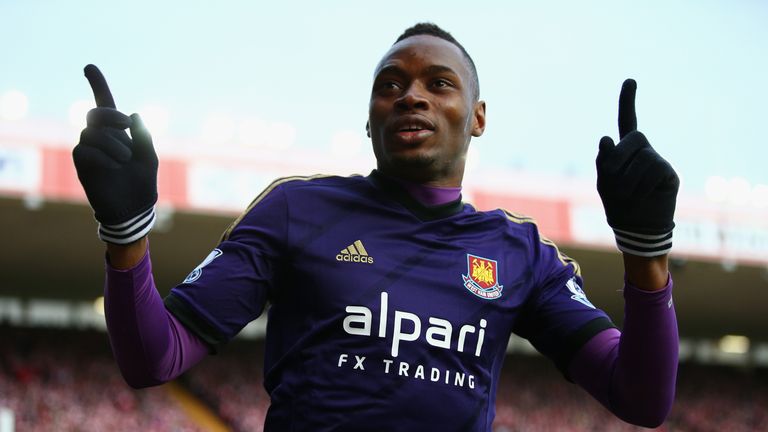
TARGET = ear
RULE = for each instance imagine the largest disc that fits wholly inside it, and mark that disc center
(478, 123)
(368, 128)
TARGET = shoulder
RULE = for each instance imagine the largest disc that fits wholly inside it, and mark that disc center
(304, 184)
(523, 227)
(314, 182)
(514, 230)
(320, 180)
(513, 223)
(271, 203)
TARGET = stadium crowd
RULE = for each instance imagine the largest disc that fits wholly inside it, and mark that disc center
(533, 396)
(56, 380)
(232, 385)
(66, 380)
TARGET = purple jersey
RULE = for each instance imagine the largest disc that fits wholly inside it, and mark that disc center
(384, 314)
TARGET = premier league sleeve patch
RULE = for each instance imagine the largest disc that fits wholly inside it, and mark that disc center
(482, 277)
(578, 294)
(195, 274)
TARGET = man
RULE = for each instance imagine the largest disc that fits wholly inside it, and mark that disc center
(391, 300)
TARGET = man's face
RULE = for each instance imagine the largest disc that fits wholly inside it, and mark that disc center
(423, 112)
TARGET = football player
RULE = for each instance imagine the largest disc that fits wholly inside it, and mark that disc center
(391, 301)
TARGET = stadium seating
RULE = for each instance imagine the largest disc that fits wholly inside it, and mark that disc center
(231, 384)
(68, 381)
(532, 396)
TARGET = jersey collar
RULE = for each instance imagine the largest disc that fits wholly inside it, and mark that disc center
(397, 192)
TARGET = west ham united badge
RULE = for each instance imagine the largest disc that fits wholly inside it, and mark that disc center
(482, 277)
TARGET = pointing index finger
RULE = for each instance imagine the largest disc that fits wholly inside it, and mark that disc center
(627, 116)
(99, 86)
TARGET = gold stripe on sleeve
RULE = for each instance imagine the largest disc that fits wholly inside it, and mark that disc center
(565, 259)
(263, 194)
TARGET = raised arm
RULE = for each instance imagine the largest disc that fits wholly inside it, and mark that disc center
(118, 172)
(119, 175)
(633, 372)
(639, 192)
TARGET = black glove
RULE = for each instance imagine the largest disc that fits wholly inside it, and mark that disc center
(638, 187)
(118, 172)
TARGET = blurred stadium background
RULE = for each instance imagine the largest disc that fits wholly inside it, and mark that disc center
(238, 95)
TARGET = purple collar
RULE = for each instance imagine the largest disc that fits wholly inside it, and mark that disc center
(431, 196)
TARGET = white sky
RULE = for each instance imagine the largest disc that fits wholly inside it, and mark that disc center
(550, 71)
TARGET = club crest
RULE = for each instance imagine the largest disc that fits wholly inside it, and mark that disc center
(482, 277)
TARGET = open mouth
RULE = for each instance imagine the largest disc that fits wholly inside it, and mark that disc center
(414, 136)
(413, 124)
(413, 129)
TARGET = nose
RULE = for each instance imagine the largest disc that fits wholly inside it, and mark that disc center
(413, 98)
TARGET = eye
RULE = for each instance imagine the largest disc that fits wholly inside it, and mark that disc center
(387, 86)
(441, 83)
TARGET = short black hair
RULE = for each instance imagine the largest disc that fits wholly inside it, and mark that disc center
(431, 29)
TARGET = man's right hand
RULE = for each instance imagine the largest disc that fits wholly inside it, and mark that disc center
(117, 171)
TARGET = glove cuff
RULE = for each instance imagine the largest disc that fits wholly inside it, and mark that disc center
(130, 230)
(644, 245)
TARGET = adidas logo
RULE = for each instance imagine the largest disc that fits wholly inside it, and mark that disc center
(355, 253)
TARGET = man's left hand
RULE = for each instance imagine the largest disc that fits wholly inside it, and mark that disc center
(637, 186)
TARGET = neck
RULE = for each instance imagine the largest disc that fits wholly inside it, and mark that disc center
(424, 174)
(430, 194)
